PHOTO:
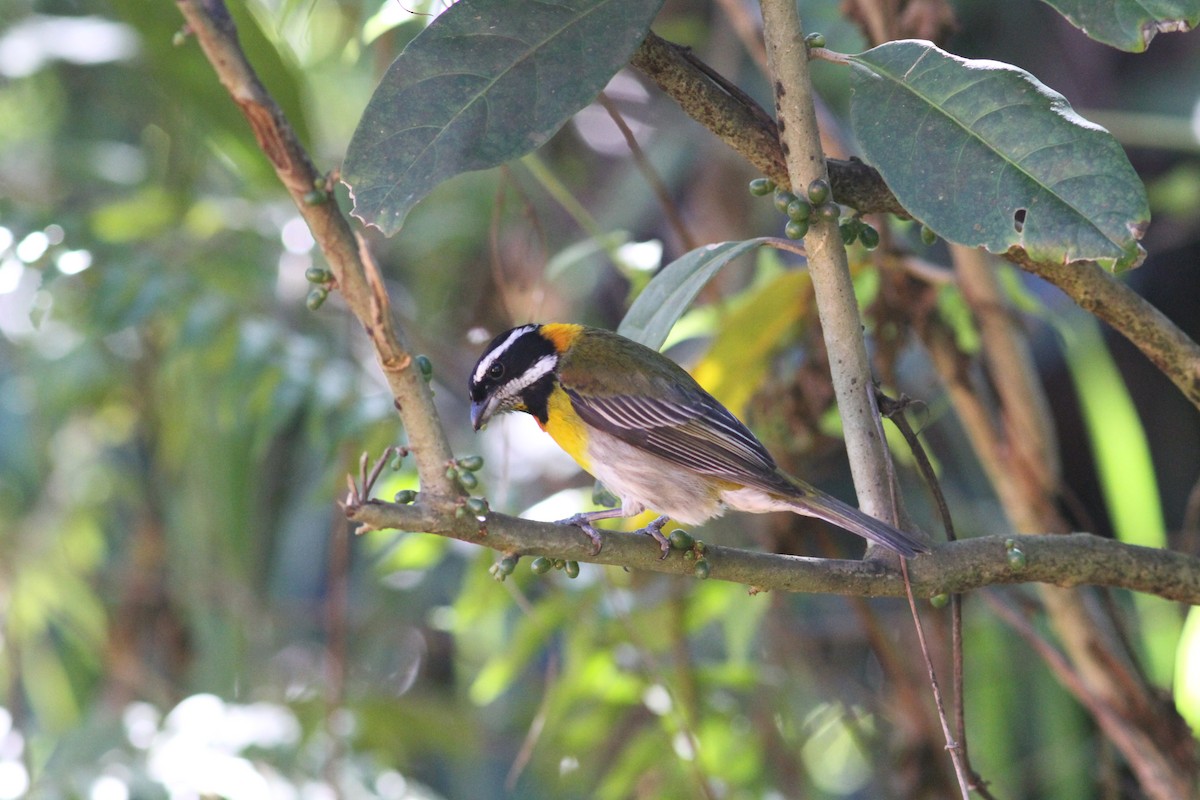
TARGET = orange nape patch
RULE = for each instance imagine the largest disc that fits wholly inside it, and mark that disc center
(561, 334)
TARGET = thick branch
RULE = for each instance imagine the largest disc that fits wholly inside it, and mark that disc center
(1063, 560)
(356, 276)
(1134, 317)
(742, 124)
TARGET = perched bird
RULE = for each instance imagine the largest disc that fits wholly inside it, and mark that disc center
(646, 430)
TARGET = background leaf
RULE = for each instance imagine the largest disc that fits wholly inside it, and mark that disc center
(1128, 24)
(672, 290)
(486, 82)
(986, 155)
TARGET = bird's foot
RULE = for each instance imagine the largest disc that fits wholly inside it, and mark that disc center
(654, 529)
(584, 523)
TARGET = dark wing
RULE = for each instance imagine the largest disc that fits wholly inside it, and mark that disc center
(689, 429)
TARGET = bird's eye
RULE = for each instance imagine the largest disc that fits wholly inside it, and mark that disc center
(495, 371)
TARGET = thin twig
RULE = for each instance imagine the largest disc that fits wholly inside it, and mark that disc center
(960, 770)
(674, 218)
(894, 410)
(536, 725)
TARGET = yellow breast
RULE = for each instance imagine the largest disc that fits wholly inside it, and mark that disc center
(566, 428)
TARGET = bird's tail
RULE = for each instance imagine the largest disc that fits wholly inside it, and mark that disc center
(815, 503)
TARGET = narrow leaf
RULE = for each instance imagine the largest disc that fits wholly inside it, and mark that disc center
(486, 82)
(670, 292)
(986, 155)
(1128, 24)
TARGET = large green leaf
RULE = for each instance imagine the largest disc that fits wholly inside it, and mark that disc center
(486, 82)
(671, 291)
(986, 155)
(1128, 24)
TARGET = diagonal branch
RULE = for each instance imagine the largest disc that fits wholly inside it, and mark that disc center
(357, 278)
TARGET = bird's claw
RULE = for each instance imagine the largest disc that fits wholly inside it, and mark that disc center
(584, 523)
(654, 530)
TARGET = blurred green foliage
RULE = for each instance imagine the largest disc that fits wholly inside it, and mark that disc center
(184, 609)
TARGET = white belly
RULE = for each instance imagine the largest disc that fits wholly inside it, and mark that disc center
(647, 482)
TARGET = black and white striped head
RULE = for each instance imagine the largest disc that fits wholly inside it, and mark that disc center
(515, 373)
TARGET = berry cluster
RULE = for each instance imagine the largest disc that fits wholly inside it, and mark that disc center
(801, 210)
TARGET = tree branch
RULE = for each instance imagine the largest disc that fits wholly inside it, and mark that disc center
(828, 267)
(1062, 560)
(356, 275)
(1100, 293)
(717, 104)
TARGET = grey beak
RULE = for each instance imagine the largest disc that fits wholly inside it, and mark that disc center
(481, 412)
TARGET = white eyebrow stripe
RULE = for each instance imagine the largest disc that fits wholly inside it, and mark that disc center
(487, 361)
(531, 376)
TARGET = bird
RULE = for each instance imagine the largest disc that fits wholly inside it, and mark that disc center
(643, 427)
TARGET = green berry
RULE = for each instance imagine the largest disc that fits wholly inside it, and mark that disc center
(701, 570)
(316, 298)
(405, 496)
(467, 479)
(504, 567)
(477, 506)
(315, 197)
(783, 198)
(560, 563)
(939, 600)
(572, 569)
(701, 548)
(818, 191)
(928, 237)
(470, 463)
(318, 275)
(452, 472)
(426, 367)
(799, 211)
(541, 565)
(849, 231)
(868, 236)
(179, 38)
(830, 212)
(795, 230)
(681, 539)
(761, 187)
(1016, 556)
(814, 40)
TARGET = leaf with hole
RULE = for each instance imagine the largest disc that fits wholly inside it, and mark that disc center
(986, 155)
(488, 81)
(1128, 24)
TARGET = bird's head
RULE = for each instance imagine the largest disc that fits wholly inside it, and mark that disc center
(515, 373)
